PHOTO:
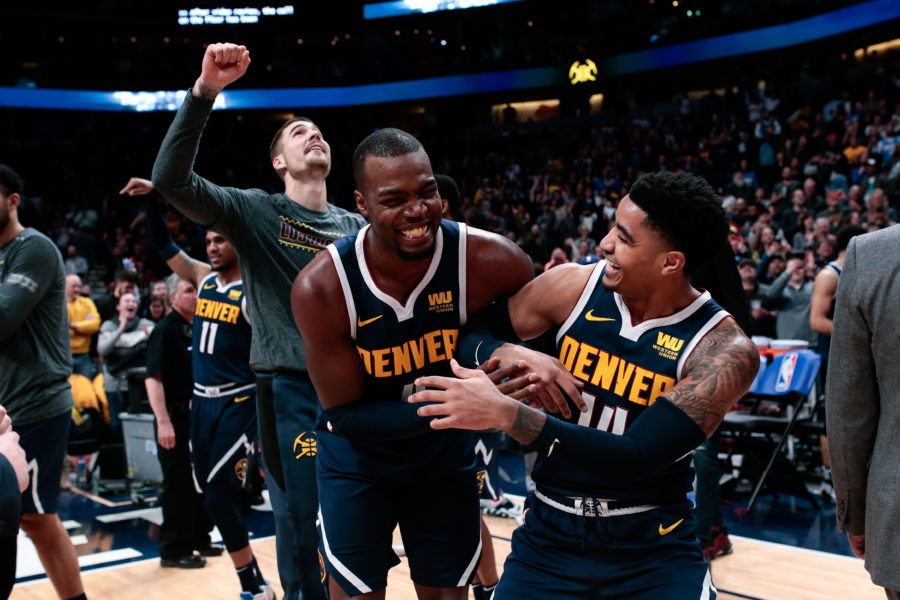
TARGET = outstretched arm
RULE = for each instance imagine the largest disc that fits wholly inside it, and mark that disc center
(716, 375)
(173, 172)
(189, 269)
(526, 316)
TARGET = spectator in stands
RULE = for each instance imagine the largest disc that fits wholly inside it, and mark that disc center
(84, 323)
(123, 346)
(75, 264)
(125, 283)
(157, 307)
(878, 214)
(791, 297)
(762, 319)
(791, 219)
(557, 257)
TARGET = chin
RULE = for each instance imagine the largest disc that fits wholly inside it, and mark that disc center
(414, 256)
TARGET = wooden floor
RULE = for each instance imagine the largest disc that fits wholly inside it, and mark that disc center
(756, 570)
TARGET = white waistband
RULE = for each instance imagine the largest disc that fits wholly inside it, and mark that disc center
(217, 391)
(592, 507)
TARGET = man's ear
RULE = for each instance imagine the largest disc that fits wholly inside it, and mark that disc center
(673, 263)
(361, 203)
(14, 200)
(278, 163)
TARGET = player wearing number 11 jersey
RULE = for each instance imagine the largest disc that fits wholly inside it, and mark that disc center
(223, 426)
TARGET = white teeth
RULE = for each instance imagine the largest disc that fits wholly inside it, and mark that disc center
(414, 233)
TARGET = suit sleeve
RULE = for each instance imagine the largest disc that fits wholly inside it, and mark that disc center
(852, 399)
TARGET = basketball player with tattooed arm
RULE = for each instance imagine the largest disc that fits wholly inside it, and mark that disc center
(377, 310)
(660, 363)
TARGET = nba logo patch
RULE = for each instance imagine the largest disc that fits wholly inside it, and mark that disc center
(786, 373)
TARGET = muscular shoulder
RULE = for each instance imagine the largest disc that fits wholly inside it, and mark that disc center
(495, 267)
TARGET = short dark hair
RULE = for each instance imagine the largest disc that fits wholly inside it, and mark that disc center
(448, 190)
(276, 146)
(129, 275)
(686, 211)
(384, 143)
(10, 182)
(847, 233)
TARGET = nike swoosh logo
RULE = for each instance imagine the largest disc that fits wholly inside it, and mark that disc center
(209, 286)
(361, 323)
(242, 398)
(590, 317)
(668, 530)
(552, 446)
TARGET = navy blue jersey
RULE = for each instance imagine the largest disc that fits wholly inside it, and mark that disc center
(625, 368)
(399, 342)
(221, 340)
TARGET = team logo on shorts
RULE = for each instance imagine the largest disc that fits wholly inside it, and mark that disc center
(479, 477)
(322, 572)
(240, 469)
(305, 445)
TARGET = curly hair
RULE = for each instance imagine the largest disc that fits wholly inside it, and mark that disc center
(686, 211)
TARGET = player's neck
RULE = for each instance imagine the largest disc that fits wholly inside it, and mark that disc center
(229, 275)
(12, 229)
(393, 275)
(309, 193)
(660, 303)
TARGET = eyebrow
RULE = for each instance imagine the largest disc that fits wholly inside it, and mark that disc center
(301, 124)
(431, 181)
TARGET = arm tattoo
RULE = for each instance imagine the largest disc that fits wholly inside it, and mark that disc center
(528, 424)
(717, 373)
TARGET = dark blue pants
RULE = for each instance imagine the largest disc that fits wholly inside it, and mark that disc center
(287, 405)
(708, 512)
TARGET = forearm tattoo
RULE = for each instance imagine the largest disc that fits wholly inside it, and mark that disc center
(717, 373)
(528, 424)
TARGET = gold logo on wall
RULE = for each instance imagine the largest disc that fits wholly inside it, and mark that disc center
(581, 73)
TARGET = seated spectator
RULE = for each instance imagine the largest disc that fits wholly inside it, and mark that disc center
(84, 323)
(557, 257)
(878, 214)
(125, 283)
(806, 237)
(123, 346)
(75, 264)
(833, 211)
(157, 307)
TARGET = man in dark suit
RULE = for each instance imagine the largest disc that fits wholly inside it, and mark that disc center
(863, 403)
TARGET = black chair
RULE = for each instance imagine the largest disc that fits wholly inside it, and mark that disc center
(786, 383)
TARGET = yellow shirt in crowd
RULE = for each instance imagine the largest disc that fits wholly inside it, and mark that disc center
(84, 316)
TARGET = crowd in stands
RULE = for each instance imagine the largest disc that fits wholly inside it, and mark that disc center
(791, 174)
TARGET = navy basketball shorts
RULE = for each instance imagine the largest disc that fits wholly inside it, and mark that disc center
(439, 522)
(223, 433)
(640, 553)
(45, 444)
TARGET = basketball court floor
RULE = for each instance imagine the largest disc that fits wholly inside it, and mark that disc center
(786, 548)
